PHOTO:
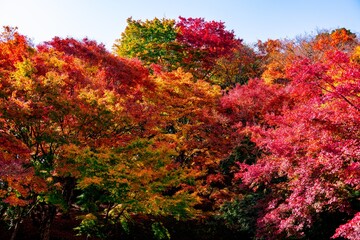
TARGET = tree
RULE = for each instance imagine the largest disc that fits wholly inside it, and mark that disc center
(310, 147)
(279, 54)
(138, 179)
(238, 67)
(18, 183)
(191, 121)
(68, 92)
(192, 44)
(151, 41)
(204, 42)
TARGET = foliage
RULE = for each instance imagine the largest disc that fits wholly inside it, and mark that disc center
(278, 54)
(133, 179)
(160, 232)
(191, 121)
(241, 214)
(151, 41)
(67, 100)
(150, 138)
(308, 132)
(204, 43)
(350, 230)
(190, 43)
(237, 67)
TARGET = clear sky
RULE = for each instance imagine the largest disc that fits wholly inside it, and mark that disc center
(104, 20)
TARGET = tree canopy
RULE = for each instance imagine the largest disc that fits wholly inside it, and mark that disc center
(181, 125)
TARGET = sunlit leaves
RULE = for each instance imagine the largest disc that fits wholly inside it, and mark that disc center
(66, 93)
(151, 41)
(188, 116)
(278, 55)
(350, 230)
(139, 177)
(190, 43)
(204, 43)
(307, 129)
(82, 126)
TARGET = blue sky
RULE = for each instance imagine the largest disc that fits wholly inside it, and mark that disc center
(104, 20)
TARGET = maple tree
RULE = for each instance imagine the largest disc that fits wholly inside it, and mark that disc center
(70, 93)
(278, 54)
(190, 121)
(190, 43)
(308, 132)
(18, 183)
(340, 39)
(204, 43)
(237, 67)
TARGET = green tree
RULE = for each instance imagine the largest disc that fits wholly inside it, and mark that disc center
(151, 41)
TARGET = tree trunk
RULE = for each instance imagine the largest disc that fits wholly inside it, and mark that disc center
(17, 221)
(16, 229)
(47, 217)
(45, 230)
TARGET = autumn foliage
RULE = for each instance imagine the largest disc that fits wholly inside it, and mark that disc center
(308, 130)
(182, 124)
